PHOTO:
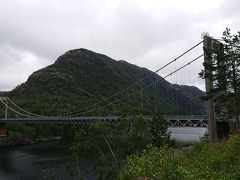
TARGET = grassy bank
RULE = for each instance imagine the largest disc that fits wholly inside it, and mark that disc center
(201, 161)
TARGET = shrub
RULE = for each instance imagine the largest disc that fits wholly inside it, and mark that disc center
(201, 161)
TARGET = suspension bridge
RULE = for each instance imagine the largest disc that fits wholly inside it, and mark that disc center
(173, 121)
(79, 116)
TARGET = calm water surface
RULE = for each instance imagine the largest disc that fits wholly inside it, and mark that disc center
(187, 134)
(30, 162)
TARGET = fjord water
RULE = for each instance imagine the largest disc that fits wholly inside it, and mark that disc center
(43, 160)
(187, 134)
(47, 159)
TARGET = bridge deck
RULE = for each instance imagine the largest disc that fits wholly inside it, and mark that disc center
(173, 121)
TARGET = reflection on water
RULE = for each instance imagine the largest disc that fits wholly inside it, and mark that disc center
(182, 134)
(30, 162)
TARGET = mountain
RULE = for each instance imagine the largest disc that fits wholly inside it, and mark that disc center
(81, 77)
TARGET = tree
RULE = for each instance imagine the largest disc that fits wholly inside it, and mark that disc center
(225, 66)
(76, 154)
(159, 130)
(139, 135)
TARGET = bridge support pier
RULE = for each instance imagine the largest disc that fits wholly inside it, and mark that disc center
(3, 131)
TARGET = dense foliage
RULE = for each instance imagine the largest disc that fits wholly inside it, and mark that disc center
(108, 147)
(158, 127)
(201, 161)
(41, 130)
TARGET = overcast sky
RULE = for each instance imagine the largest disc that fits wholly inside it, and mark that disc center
(148, 33)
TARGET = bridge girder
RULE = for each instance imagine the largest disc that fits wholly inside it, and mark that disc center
(173, 121)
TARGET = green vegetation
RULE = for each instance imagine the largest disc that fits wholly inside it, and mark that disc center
(159, 132)
(108, 146)
(200, 161)
(41, 130)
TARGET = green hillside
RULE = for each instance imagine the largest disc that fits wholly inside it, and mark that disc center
(81, 77)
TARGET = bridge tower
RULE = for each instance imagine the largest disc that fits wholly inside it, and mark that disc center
(3, 131)
(208, 44)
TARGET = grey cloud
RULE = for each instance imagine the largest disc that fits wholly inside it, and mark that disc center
(46, 29)
(49, 30)
(230, 8)
(16, 65)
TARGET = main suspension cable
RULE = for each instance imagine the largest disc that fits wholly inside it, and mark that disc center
(32, 114)
(15, 110)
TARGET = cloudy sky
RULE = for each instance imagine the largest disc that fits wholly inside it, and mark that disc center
(148, 33)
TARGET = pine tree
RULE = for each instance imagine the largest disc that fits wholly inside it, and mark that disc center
(225, 77)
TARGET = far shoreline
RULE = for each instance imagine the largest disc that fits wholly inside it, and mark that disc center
(13, 141)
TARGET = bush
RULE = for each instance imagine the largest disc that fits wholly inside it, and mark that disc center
(159, 127)
(201, 161)
(146, 163)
